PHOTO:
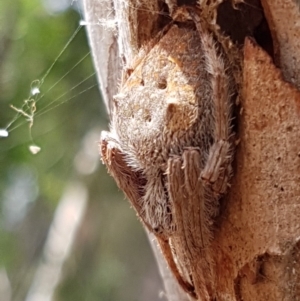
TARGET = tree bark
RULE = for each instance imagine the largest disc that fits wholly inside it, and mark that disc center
(256, 238)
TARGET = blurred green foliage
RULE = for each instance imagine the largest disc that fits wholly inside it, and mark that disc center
(111, 259)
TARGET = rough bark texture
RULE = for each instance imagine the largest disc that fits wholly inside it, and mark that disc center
(283, 18)
(256, 244)
(257, 241)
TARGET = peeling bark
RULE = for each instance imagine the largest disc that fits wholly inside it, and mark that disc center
(258, 230)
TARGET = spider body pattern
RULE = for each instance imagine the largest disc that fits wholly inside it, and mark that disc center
(170, 147)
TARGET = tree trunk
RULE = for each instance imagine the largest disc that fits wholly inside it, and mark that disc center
(256, 237)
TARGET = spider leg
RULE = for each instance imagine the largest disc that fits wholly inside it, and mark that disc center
(192, 211)
(217, 170)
